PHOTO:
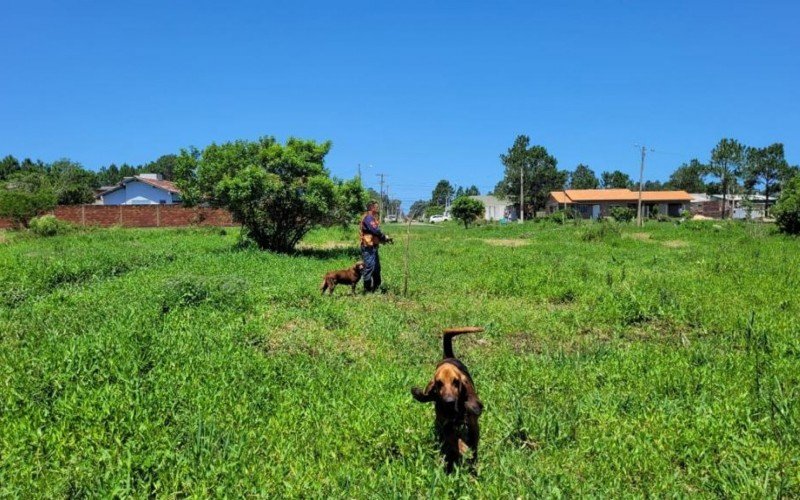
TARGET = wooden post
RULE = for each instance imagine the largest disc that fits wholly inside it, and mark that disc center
(83, 215)
(120, 215)
(405, 260)
(158, 215)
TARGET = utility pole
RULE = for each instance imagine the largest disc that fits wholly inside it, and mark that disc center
(521, 194)
(381, 194)
(641, 186)
(388, 200)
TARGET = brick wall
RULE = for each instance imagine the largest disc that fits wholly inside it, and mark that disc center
(138, 216)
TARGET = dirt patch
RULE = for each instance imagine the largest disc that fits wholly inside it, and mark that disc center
(506, 243)
(638, 236)
(675, 244)
(328, 245)
(524, 342)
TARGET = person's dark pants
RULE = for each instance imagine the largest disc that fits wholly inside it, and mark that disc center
(372, 268)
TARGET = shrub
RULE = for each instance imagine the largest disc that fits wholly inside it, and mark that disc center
(466, 209)
(278, 192)
(433, 210)
(559, 216)
(49, 225)
(20, 205)
(191, 291)
(623, 214)
(601, 231)
(787, 210)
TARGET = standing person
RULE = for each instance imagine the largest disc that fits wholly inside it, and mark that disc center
(371, 237)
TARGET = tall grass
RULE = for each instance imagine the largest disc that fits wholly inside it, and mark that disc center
(656, 361)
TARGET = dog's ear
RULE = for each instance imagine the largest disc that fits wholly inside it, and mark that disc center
(424, 396)
(472, 404)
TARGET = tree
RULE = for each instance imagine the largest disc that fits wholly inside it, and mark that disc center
(539, 171)
(653, 186)
(442, 193)
(164, 165)
(387, 205)
(615, 180)
(126, 170)
(727, 159)
(688, 177)
(72, 184)
(8, 166)
(108, 176)
(583, 178)
(467, 191)
(467, 209)
(278, 192)
(787, 210)
(24, 196)
(417, 208)
(766, 167)
(351, 202)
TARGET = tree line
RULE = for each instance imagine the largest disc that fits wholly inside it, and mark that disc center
(442, 196)
(70, 182)
(731, 168)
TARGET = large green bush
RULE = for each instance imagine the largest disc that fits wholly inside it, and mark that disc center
(278, 192)
(787, 210)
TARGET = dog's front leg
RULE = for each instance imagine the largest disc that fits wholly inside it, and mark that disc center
(448, 437)
(473, 437)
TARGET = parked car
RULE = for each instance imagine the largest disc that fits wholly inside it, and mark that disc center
(439, 218)
(391, 218)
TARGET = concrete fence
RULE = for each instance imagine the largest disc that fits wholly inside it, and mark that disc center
(138, 216)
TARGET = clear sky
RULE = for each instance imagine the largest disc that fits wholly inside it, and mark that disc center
(420, 90)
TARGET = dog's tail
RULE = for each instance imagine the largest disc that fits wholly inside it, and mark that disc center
(447, 343)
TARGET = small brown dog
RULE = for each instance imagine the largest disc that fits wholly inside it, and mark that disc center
(457, 404)
(343, 277)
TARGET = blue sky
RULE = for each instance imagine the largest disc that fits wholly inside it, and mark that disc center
(419, 90)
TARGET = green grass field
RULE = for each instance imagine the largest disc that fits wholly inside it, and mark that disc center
(662, 360)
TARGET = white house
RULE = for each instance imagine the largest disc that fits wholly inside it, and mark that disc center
(143, 189)
(750, 206)
(496, 208)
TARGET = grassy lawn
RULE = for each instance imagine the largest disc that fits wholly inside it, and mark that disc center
(662, 360)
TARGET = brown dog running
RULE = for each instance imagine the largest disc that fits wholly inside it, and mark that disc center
(457, 404)
(343, 277)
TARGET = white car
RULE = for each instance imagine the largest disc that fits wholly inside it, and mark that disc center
(439, 218)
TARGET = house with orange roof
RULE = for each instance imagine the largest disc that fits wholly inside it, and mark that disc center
(596, 203)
